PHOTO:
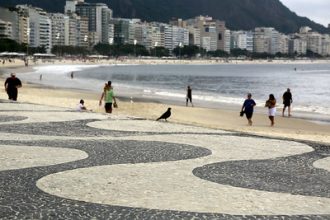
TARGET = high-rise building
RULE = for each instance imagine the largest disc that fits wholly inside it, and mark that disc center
(297, 45)
(325, 45)
(213, 33)
(23, 28)
(242, 40)
(283, 46)
(5, 29)
(10, 23)
(156, 33)
(99, 19)
(70, 6)
(60, 29)
(175, 36)
(82, 31)
(266, 40)
(40, 27)
(194, 36)
(121, 31)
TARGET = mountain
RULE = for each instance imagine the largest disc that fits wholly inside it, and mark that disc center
(238, 14)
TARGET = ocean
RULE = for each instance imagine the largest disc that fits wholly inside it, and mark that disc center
(213, 85)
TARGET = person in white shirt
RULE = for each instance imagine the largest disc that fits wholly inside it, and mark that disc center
(81, 106)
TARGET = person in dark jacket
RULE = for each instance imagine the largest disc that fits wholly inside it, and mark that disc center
(248, 107)
(12, 84)
(189, 96)
(287, 101)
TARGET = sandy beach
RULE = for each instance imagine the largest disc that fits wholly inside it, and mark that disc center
(205, 117)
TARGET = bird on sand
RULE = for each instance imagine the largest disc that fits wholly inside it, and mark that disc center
(166, 115)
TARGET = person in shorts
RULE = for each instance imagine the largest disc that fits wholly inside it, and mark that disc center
(287, 101)
(109, 97)
(271, 105)
(248, 107)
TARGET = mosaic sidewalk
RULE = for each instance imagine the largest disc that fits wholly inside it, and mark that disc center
(60, 164)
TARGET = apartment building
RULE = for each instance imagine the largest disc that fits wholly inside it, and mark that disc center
(40, 27)
(266, 40)
(9, 24)
(242, 40)
(5, 29)
(99, 17)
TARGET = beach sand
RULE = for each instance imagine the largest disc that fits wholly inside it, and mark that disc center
(223, 118)
(205, 117)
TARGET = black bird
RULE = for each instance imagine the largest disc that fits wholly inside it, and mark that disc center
(166, 115)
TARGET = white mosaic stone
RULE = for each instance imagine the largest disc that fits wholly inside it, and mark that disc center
(18, 106)
(33, 117)
(323, 164)
(149, 126)
(18, 157)
(172, 186)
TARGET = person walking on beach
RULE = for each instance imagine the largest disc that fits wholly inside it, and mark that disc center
(72, 75)
(109, 97)
(248, 107)
(271, 104)
(189, 96)
(287, 101)
(12, 84)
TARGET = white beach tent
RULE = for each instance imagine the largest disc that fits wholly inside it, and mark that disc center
(44, 55)
(12, 54)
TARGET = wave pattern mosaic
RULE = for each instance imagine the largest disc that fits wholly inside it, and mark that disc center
(59, 164)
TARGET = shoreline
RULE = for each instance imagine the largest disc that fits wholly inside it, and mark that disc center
(225, 117)
(18, 63)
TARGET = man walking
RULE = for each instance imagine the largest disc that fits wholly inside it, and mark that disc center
(248, 107)
(189, 96)
(12, 83)
(287, 101)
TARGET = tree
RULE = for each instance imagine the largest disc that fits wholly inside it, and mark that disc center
(236, 52)
(217, 53)
(121, 50)
(186, 51)
(159, 52)
(69, 50)
(261, 55)
(8, 45)
(312, 54)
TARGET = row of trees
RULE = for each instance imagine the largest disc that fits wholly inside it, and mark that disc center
(190, 51)
(8, 45)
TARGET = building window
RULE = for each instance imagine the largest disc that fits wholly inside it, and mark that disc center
(219, 36)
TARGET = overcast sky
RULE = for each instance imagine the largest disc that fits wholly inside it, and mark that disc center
(316, 10)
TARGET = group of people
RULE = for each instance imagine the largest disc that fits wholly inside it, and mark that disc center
(108, 97)
(249, 104)
(12, 84)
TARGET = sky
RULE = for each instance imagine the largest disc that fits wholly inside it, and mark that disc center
(316, 10)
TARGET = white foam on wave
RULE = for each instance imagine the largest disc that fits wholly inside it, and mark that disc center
(238, 101)
(61, 69)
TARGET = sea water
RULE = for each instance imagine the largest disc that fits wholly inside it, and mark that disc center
(213, 85)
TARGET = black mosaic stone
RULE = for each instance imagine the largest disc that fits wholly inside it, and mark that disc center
(77, 128)
(21, 199)
(5, 118)
(295, 174)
